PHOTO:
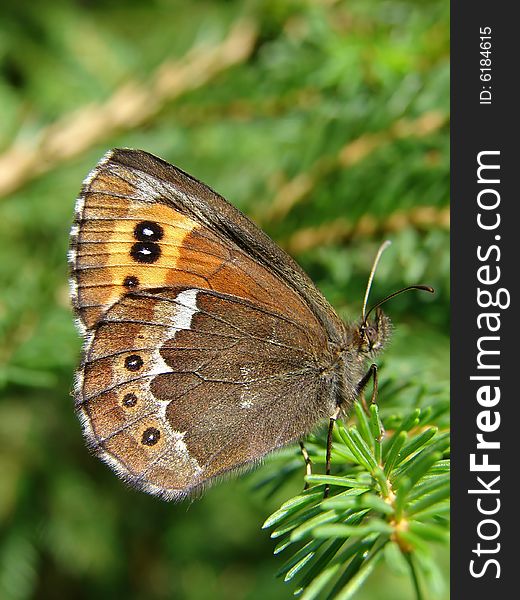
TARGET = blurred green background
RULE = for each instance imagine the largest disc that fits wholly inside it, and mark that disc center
(327, 122)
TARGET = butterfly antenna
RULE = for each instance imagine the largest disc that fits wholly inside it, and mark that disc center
(382, 248)
(424, 288)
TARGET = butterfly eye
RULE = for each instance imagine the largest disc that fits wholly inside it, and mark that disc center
(371, 333)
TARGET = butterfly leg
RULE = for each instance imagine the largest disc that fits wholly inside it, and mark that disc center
(370, 374)
(332, 420)
(308, 463)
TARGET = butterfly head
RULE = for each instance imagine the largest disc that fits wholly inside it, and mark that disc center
(373, 334)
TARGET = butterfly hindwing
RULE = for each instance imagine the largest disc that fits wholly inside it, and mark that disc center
(182, 385)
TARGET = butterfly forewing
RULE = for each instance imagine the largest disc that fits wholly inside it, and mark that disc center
(131, 232)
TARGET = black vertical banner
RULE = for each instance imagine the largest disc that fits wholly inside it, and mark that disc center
(485, 371)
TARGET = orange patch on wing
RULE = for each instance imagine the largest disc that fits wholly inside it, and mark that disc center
(231, 271)
(104, 261)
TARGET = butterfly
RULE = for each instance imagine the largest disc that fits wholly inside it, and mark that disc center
(206, 346)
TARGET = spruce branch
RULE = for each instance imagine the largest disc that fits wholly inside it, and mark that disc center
(388, 505)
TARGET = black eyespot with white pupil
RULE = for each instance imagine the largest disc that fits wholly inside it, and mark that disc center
(148, 231)
(131, 281)
(133, 362)
(130, 400)
(150, 436)
(146, 250)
